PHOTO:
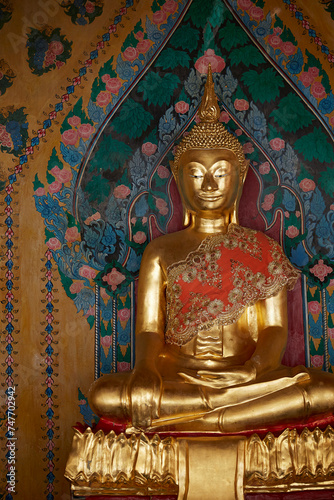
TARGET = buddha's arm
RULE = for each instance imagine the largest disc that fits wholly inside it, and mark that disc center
(272, 338)
(145, 385)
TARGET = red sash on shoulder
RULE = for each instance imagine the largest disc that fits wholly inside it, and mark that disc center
(216, 282)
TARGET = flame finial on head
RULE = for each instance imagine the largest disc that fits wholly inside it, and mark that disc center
(210, 133)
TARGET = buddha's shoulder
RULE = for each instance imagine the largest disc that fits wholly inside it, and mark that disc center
(163, 247)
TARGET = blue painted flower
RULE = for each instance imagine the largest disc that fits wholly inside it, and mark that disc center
(92, 235)
(81, 21)
(12, 126)
(256, 119)
(141, 207)
(41, 44)
(295, 63)
(326, 106)
(124, 337)
(330, 304)
(109, 238)
(84, 299)
(133, 263)
(193, 83)
(317, 203)
(315, 328)
(322, 228)
(124, 69)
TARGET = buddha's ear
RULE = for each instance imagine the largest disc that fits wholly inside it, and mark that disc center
(186, 217)
(234, 214)
(244, 173)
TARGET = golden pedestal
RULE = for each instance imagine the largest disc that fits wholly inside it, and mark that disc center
(196, 468)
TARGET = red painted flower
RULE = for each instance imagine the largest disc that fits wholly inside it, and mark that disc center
(170, 6)
(86, 130)
(148, 148)
(163, 172)
(318, 90)
(143, 46)
(224, 117)
(307, 185)
(55, 187)
(64, 176)
(121, 191)
(245, 4)
(123, 314)
(277, 144)
(87, 272)
(130, 54)
(314, 307)
(76, 286)
(217, 62)
(40, 191)
(292, 232)
(248, 148)
(274, 41)
(241, 104)
(53, 244)
(256, 13)
(306, 78)
(159, 17)
(114, 278)
(268, 201)
(72, 234)
(161, 206)
(321, 270)
(90, 7)
(70, 137)
(75, 121)
(56, 47)
(106, 341)
(181, 107)
(264, 168)
(317, 361)
(103, 98)
(139, 237)
(288, 48)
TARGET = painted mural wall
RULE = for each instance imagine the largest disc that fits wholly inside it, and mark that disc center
(93, 98)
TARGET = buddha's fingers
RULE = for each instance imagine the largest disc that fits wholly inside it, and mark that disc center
(219, 383)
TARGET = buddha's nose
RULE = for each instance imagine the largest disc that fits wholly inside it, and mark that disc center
(209, 184)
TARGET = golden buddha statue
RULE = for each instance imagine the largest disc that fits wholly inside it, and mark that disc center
(211, 326)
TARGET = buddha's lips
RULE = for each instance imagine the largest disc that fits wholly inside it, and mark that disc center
(210, 197)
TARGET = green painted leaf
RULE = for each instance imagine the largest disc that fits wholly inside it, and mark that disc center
(36, 183)
(325, 81)
(287, 36)
(98, 188)
(212, 11)
(50, 178)
(326, 181)
(185, 38)
(259, 3)
(312, 61)
(76, 111)
(232, 35)
(66, 282)
(158, 89)
(291, 114)
(156, 5)
(54, 161)
(115, 152)
(71, 222)
(170, 59)
(263, 86)
(315, 146)
(48, 235)
(132, 120)
(130, 41)
(91, 321)
(248, 55)
(278, 22)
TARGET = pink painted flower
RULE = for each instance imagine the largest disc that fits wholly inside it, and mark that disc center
(144, 220)
(76, 286)
(297, 214)
(59, 64)
(121, 191)
(331, 121)
(217, 62)
(143, 46)
(70, 137)
(307, 185)
(123, 314)
(277, 144)
(130, 54)
(148, 148)
(75, 121)
(274, 41)
(264, 168)
(86, 130)
(317, 360)
(163, 172)
(95, 216)
(238, 132)
(113, 85)
(90, 7)
(159, 17)
(170, 6)
(40, 191)
(318, 90)
(114, 278)
(53, 244)
(133, 220)
(245, 4)
(56, 47)
(268, 201)
(105, 78)
(277, 30)
(306, 78)
(104, 294)
(224, 117)
(331, 333)
(314, 307)
(256, 13)
(64, 176)
(321, 270)
(72, 234)
(87, 272)
(314, 71)
(241, 104)
(103, 98)
(123, 366)
(181, 107)
(331, 207)
(248, 148)
(161, 206)
(55, 170)
(288, 48)
(287, 214)
(106, 341)
(139, 237)
(292, 232)
(55, 187)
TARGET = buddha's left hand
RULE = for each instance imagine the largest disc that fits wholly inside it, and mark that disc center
(235, 375)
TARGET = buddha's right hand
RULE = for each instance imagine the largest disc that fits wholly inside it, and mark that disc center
(145, 393)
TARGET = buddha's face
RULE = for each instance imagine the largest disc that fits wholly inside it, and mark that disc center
(208, 181)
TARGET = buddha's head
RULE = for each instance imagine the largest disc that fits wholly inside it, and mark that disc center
(209, 164)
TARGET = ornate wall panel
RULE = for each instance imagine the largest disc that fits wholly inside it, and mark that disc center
(93, 96)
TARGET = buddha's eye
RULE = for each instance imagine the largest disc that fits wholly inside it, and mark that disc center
(220, 175)
(196, 175)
